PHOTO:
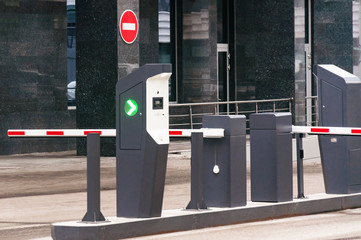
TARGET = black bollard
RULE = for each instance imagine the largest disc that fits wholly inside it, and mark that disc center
(300, 156)
(93, 179)
(197, 201)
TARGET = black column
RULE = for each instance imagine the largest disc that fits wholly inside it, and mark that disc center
(96, 61)
(264, 47)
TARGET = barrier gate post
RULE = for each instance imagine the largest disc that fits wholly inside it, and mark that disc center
(93, 179)
(224, 161)
(197, 200)
(339, 106)
(142, 137)
(271, 157)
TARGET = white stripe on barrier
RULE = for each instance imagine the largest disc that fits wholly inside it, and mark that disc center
(327, 130)
(207, 132)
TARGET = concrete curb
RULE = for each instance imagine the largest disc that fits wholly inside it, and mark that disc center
(182, 220)
(18, 232)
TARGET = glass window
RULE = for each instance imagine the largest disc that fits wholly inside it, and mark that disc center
(71, 44)
(356, 28)
(222, 23)
(166, 44)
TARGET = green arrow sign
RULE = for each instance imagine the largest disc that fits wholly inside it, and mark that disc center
(130, 107)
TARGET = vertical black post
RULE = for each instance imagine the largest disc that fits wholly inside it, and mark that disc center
(93, 179)
(300, 156)
(197, 201)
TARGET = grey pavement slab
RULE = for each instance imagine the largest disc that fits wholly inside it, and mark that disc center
(39, 189)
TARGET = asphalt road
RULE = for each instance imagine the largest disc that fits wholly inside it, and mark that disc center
(39, 189)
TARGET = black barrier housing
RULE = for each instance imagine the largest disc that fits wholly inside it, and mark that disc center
(228, 187)
(271, 157)
(141, 159)
(339, 98)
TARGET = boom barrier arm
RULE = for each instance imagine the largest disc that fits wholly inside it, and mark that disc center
(60, 132)
(207, 132)
(326, 130)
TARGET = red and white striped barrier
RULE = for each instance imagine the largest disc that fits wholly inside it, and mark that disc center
(327, 130)
(59, 132)
(207, 132)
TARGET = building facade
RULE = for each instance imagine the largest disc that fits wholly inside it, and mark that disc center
(33, 73)
(220, 51)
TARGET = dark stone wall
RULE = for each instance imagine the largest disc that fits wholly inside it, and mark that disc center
(264, 49)
(33, 77)
(332, 33)
(96, 59)
(148, 32)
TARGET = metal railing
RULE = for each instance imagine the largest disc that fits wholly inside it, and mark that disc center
(190, 114)
(312, 110)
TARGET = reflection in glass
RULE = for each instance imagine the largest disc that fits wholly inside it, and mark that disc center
(166, 45)
(222, 81)
(71, 50)
(356, 19)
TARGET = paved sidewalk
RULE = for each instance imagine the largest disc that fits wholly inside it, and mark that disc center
(39, 189)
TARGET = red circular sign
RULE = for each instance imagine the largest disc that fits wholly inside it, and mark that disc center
(128, 26)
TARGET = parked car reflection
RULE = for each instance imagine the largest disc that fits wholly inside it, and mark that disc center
(71, 93)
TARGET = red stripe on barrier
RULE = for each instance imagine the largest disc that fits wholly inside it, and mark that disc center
(357, 131)
(55, 133)
(320, 130)
(86, 132)
(16, 133)
(175, 133)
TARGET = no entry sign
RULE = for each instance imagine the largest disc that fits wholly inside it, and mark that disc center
(128, 26)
